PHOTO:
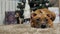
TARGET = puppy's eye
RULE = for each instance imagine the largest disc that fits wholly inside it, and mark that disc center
(38, 19)
(45, 19)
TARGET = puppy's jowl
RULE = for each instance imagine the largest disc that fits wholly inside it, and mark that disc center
(42, 18)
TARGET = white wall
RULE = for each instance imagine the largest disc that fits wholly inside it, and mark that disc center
(10, 5)
(7, 5)
(56, 10)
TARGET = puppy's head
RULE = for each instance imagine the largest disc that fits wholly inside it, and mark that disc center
(40, 19)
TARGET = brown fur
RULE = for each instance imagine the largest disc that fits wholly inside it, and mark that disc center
(42, 14)
(50, 14)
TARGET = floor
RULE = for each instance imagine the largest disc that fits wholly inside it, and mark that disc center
(26, 29)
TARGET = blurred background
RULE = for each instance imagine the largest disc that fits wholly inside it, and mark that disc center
(8, 7)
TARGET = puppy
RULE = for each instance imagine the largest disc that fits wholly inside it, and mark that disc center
(42, 18)
(19, 20)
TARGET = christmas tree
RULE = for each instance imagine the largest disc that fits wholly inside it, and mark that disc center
(34, 4)
(39, 4)
(21, 6)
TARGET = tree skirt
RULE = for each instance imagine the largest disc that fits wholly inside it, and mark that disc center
(26, 29)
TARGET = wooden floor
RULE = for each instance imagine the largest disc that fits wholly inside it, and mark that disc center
(26, 29)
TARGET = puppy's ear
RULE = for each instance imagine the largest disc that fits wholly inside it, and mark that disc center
(52, 16)
(33, 14)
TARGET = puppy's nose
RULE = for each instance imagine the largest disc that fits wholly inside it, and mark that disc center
(43, 26)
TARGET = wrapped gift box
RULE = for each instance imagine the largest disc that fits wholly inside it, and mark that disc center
(10, 17)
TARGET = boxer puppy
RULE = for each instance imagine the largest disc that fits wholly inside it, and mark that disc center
(40, 18)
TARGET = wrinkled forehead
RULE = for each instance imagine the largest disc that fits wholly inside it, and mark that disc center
(43, 11)
(41, 16)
